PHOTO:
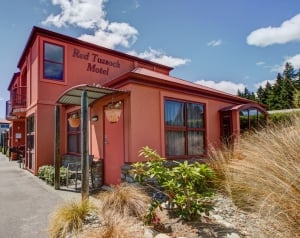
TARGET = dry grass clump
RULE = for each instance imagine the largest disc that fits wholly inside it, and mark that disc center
(69, 218)
(125, 200)
(262, 173)
(117, 226)
(122, 210)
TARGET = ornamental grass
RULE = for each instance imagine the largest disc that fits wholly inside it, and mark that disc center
(125, 200)
(262, 174)
(69, 219)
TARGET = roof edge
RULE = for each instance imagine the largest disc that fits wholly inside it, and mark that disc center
(42, 31)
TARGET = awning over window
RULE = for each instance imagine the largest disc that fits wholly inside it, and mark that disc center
(73, 95)
(244, 106)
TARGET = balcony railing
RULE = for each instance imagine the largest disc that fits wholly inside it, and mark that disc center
(16, 107)
(18, 100)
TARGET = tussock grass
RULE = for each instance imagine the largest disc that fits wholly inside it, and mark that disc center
(117, 226)
(69, 218)
(262, 173)
(122, 210)
(124, 199)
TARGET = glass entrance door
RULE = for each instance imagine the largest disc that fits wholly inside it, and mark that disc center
(30, 134)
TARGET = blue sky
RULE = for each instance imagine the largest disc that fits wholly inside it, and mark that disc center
(224, 44)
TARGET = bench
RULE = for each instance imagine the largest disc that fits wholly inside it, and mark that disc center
(73, 165)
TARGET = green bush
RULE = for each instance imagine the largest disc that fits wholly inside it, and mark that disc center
(280, 118)
(186, 185)
(46, 173)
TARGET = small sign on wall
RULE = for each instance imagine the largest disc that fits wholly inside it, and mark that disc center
(18, 135)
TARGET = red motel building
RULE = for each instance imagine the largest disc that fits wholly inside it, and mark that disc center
(177, 118)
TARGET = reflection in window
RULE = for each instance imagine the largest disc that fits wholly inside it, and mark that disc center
(184, 125)
(53, 61)
(251, 118)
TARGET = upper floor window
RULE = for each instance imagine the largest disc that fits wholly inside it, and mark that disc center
(5, 126)
(184, 129)
(53, 62)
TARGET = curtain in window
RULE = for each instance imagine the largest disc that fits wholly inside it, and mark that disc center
(195, 143)
(174, 113)
(175, 143)
(194, 115)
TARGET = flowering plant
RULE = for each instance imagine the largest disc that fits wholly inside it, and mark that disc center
(116, 105)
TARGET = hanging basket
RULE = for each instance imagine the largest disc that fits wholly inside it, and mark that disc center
(113, 114)
(74, 122)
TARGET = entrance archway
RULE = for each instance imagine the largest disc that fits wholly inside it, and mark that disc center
(81, 95)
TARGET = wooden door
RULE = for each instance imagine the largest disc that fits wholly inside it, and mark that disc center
(113, 150)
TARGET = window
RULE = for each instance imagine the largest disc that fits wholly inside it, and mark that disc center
(184, 128)
(5, 126)
(74, 136)
(251, 118)
(53, 62)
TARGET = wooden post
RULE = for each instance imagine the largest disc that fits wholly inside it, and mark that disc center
(57, 147)
(84, 147)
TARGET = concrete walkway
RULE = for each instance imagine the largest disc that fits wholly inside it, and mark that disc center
(26, 202)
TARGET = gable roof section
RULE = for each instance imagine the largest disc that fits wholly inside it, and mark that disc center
(145, 76)
(54, 35)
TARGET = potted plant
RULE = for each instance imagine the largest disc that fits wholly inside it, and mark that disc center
(113, 112)
(74, 120)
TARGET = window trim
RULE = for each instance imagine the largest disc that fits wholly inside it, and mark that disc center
(44, 60)
(185, 129)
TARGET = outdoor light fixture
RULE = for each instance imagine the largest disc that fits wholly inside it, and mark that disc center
(95, 118)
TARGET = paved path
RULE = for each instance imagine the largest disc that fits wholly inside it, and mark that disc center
(26, 202)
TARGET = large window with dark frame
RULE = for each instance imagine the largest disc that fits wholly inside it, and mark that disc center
(184, 129)
(73, 138)
(53, 62)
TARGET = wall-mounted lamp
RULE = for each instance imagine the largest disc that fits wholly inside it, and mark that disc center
(95, 118)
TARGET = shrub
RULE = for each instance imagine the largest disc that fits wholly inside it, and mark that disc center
(46, 173)
(262, 174)
(69, 218)
(187, 186)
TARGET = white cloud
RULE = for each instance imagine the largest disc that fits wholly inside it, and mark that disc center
(263, 83)
(115, 34)
(294, 60)
(87, 14)
(136, 4)
(214, 43)
(91, 15)
(288, 31)
(225, 86)
(259, 63)
(160, 57)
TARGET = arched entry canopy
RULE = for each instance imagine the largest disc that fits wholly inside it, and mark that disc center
(73, 95)
(238, 118)
(83, 95)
